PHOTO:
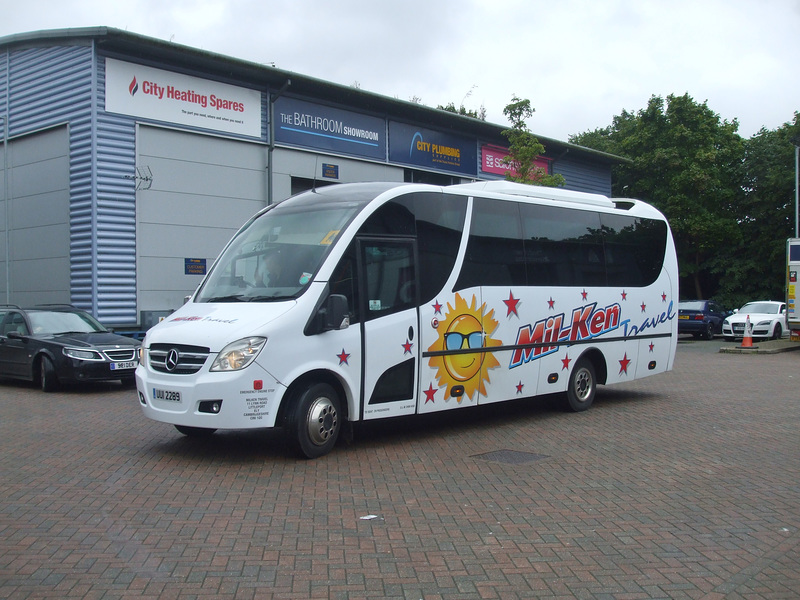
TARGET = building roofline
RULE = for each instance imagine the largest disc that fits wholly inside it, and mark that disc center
(117, 41)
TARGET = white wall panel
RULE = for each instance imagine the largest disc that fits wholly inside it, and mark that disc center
(203, 189)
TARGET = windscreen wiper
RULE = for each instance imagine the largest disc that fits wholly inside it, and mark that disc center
(232, 298)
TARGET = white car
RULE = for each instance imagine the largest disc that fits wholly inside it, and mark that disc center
(767, 318)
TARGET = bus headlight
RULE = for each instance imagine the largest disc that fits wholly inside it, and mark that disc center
(237, 355)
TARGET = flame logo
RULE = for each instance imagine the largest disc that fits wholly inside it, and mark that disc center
(133, 87)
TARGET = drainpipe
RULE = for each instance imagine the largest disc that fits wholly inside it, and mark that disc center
(271, 109)
(6, 186)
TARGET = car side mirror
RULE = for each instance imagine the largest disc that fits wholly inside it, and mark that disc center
(15, 335)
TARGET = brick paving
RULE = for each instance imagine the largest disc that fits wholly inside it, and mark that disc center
(684, 485)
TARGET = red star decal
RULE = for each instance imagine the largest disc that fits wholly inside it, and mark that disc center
(520, 385)
(407, 347)
(623, 364)
(437, 308)
(644, 307)
(430, 393)
(584, 294)
(551, 303)
(511, 304)
(663, 297)
(624, 295)
(565, 362)
(652, 345)
(343, 357)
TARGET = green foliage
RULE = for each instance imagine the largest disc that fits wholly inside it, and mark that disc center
(766, 218)
(524, 148)
(475, 114)
(689, 164)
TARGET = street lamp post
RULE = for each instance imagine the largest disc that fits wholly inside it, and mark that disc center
(796, 141)
(6, 202)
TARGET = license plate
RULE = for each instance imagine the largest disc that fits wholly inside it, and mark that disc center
(131, 364)
(683, 317)
(166, 395)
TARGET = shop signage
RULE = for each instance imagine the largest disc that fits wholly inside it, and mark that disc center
(310, 125)
(194, 266)
(150, 93)
(330, 171)
(431, 149)
(492, 161)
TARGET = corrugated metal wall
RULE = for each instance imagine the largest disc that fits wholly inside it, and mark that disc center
(583, 176)
(115, 249)
(57, 85)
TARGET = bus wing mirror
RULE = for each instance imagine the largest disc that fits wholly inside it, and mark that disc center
(337, 313)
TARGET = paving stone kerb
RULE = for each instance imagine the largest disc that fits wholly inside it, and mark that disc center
(683, 485)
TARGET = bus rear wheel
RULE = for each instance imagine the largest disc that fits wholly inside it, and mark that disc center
(314, 421)
(582, 386)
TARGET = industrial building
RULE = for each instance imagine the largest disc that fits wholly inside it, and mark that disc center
(128, 162)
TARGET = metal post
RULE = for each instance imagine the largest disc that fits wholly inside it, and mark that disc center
(271, 147)
(6, 202)
(796, 198)
(795, 140)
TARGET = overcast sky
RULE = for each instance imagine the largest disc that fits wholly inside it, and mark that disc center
(579, 62)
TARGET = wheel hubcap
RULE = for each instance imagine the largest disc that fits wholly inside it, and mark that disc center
(583, 384)
(322, 421)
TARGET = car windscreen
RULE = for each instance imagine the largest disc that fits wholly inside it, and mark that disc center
(692, 305)
(761, 308)
(276, 255)
(56, 322)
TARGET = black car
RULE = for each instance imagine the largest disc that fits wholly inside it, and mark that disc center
(701, 318)
(57, 344)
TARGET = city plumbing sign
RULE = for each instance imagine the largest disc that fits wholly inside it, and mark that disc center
(149, 93)
(432, 149)
(320, 127)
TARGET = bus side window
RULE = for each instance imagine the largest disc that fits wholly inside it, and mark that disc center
(495, 253)
(563, 247)
(440, 224)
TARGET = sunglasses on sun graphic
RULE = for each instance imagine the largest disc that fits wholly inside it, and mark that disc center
(455, 340)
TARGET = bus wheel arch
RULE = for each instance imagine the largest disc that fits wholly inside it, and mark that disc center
(313, 414)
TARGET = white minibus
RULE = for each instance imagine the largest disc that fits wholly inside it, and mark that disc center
(374, 300)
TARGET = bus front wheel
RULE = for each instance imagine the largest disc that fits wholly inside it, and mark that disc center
(582, 386)
(314, 421)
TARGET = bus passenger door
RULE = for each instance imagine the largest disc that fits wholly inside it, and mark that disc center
(390, 327)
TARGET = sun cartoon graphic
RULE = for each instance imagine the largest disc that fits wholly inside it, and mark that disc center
(461, 329)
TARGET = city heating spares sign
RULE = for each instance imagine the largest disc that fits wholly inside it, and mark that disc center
(150, 93)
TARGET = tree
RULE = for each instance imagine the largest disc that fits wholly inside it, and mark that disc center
(689, 164)
(475, 114)
(524, 148)
(765, 218)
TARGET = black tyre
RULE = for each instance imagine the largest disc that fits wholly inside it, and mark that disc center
(708, 334)
(777, 333)
(582, 386)
(314, 420)
(195, 432)
(48, 380)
